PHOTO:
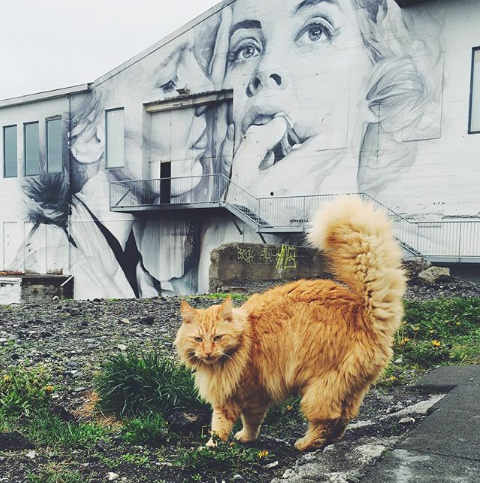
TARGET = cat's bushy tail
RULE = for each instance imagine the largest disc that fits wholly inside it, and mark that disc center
(363, 254)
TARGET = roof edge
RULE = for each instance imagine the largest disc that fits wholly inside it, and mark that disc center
(164, 41)
(43, 95)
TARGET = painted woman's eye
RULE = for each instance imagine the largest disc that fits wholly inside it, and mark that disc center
(170, 85)
(245, 51)
(198, 339)
(217, 338)
(318, 31)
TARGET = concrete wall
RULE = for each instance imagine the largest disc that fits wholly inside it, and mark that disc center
(234, 263)
(34, 288)
(328, 97)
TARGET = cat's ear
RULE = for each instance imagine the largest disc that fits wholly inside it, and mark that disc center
(187, 312)
(226, 309)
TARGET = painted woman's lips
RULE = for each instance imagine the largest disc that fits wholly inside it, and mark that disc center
(259, 116)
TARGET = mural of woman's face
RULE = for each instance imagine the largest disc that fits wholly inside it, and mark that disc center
(310, 36)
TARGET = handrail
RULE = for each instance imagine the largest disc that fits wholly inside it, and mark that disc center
(449, 238)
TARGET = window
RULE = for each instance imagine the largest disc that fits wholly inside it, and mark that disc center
(10, 151)
(114, 130)
(54, 146)
(31, 149)
(474, 95)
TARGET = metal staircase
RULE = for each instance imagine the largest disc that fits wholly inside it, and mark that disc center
(439, 240)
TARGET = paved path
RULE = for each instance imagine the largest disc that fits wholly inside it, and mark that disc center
(445, 447)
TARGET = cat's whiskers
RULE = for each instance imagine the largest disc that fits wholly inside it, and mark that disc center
(227, 355)
(191, 357)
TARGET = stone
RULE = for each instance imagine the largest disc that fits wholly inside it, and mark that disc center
(63, 413)
(102, 446)
(111, 476)
(31, 455)
(14, 441)
(407, 420)
(122, 347)
(187, 422)
(148, 320)
(434, 274)
(414, 266)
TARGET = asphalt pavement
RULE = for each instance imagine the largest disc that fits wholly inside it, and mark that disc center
(444, 448)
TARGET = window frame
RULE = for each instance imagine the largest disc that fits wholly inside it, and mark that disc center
(106, 138)
(16, 151)
(473, 54)
(25, 124)
(47, 120)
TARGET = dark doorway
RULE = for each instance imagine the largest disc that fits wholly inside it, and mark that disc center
(165, 175)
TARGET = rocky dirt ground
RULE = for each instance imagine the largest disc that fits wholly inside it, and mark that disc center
(74, 337)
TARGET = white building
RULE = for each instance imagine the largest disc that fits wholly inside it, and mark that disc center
(251, 113)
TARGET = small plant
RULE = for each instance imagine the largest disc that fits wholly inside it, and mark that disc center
(49, 430)
(225, 456)
(440, 331)
(150, 429)
(432, 328)
(280, 413)
(136, 459)
(23, 391)
(56, 474)
(138, 384)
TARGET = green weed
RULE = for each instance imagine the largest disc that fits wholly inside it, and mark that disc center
(141, 383)
(47, 429)
(225, 456)
(23, 391)
(57, 474)
(150, 429)
(433, 332)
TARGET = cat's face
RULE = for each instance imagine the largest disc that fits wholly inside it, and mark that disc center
(208, 336)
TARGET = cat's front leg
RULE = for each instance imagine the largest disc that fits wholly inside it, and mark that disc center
(223, 419)
(251, 419)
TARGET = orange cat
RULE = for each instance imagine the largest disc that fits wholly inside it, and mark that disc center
(323, 341)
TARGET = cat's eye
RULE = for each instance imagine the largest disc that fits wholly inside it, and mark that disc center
(217, 338)
(198, 339)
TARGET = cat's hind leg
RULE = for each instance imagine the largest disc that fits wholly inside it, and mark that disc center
(252, 418)
(322, 406)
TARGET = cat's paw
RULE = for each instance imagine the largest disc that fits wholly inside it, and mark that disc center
(307, 444)
(211, 443)
(243, 437)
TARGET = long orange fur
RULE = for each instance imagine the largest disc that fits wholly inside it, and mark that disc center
(315, 338)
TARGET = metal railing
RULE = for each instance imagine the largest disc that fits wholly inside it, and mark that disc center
(454, 240)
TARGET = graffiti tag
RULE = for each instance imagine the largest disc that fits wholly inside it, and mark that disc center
(245, 254)
(286, 258)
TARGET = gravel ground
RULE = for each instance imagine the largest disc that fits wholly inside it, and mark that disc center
(74, 337)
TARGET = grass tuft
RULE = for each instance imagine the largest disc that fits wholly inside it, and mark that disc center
(47, 429)
(150, 429)
(138, 384)
(225, 456)
(23, 391)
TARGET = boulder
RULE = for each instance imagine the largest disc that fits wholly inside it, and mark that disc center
(14, 441)
(414, 266)
(187, 422)
(435, 274)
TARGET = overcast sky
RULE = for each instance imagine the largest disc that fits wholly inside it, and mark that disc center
(48, 44)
